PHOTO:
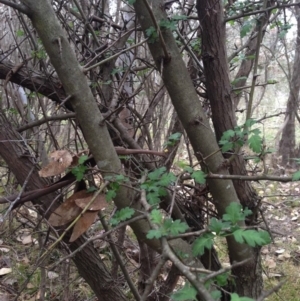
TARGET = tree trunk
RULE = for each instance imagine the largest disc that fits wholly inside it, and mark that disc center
(219, 93)
(19, 160)
(187, 105)
(287, 143)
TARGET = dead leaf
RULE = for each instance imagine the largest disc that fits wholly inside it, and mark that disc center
(5, 271)
(52, 275)
(27, 240)
(83, 224)
(59, 161)
(270, 263)
(98, 204)
(67, 211)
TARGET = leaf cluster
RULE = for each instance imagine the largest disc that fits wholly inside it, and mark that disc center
(156, 184)
(240, 135)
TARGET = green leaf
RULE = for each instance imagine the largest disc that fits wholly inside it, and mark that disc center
(166, 179)
(234, 213)
(20, 33)
(250, 122)
(156, 216)
(154, 233)
(78, 172)
(168, 24)
(236, 297)
(227, 135)
(122, 215)
(91, 189)
(222, 279)
(82, 159)
(179, 17)
(255, 143)
(252, 237)
(153, 198)
(188, 292)
(205, 241)
(216, 294)
(110, 195)
(156, 174)
(246, 28)
(217, 225)
(175, 227)
(152, 34)
(199, 176)
(173, 139)
(296, 176)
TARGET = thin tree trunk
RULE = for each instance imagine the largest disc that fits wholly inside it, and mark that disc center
(19, 160)
(248, 280)
(287, 143)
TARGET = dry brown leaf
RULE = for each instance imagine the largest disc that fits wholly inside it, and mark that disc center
(67, 211)
(59, 161)
(83, 224)
(98, 204)
(5, 271)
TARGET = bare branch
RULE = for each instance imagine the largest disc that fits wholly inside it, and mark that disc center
(20, 7)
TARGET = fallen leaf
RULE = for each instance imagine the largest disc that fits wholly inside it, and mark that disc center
(98, 204)
(59, 161)
(270, 263)
(83, 224)
(4, 250)
(5, 271)
(52, 275)
(27, 240)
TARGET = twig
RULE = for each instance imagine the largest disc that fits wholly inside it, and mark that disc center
(74, 221)
(119, 259)
(162, 41)
(150, 281)
(12, 204)
(85, 70)
(270, 292)
(44, 120)
(20, 7)
(100, 236)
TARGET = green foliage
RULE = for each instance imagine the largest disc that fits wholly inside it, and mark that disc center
(234, 82)
(122, 215)
(236, 297)
(284, 28)
(234, 213)
(217, 226)
(188, 292)
(19, 33)
(156, 216)
(296, 176)
(173, 139)
(199, 176)
(131, 2)
(196, 45)
(156, 183)
(79, 170)
(167, 24)
(166, 227)
(114, 185)
(237, 138)
(252, 238)
(202, 242)
(246, 27)
(152, 34)
(91, 189)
